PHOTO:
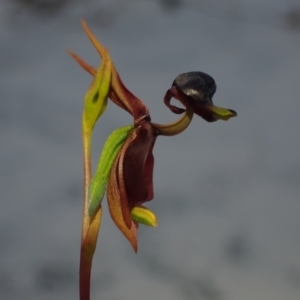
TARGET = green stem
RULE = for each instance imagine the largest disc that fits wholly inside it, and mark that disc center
(178, 126)
(87, 171)
(90, 226)
(85, 267)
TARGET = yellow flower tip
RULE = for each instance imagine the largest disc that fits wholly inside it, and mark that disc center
(221, 113)
(143, 215)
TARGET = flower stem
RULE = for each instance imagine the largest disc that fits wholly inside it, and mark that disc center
(177, 126)
(90, 226)
(87, 171)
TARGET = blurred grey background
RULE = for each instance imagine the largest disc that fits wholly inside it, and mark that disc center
(226, 194)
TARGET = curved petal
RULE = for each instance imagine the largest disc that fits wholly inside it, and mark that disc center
(172, 92)
(126, 209)
(138, 165)
(137, 107)
(115, 207)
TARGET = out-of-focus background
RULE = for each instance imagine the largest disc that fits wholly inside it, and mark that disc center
(227, 194)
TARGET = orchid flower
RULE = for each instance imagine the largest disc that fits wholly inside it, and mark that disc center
(125, 168)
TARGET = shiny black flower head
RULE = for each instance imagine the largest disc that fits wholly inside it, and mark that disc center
(198, 85)
(197, 89)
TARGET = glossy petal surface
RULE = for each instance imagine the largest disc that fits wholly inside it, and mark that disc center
(138, 166)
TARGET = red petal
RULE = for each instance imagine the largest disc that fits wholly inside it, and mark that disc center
(115, 99)
(149, 175)
(138, 166)
(172, 92)
(133, 104)
(126, 209)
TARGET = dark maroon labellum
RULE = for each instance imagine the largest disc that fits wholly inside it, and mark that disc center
(198, 85)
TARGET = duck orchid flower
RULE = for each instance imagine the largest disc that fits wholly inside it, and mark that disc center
(125, 169)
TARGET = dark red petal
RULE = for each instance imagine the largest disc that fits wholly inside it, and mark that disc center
(138, 166)
(148, 173)
(172, 92)
(121, 94)
(115, 99)
(126, 209)
(201, 109)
